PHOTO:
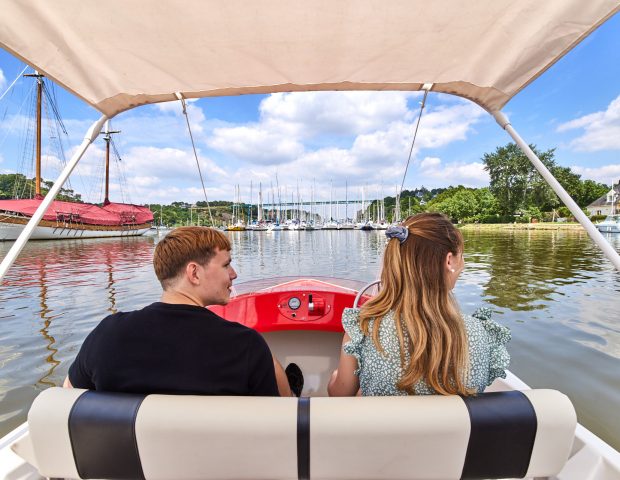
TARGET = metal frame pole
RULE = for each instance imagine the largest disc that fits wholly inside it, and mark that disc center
(585, 222)
(19, 244)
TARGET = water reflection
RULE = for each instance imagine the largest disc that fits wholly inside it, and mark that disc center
(44, 313)
(527, 268)
(58, 291)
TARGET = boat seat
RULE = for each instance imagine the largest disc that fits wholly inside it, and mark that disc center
(76, 433)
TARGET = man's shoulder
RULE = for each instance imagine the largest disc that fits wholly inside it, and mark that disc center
(234, 326)
(121, 315)
(239, 330)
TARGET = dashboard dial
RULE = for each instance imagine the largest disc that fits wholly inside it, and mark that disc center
(294, 303)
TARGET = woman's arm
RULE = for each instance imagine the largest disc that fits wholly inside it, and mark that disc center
(281, 380)
(344, 383)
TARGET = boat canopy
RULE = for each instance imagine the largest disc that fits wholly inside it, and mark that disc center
(120, 54)
(117, 54)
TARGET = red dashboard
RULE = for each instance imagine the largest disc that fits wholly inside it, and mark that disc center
(304, 309)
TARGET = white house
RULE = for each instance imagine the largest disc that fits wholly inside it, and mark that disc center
(607, 204)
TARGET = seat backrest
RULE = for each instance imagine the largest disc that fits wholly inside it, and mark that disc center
(84, 434)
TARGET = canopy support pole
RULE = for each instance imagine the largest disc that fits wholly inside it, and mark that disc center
(585, 222)
(24, 236)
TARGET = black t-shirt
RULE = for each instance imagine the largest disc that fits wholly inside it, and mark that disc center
(175, 349)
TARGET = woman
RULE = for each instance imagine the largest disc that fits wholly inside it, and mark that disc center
(411, 339)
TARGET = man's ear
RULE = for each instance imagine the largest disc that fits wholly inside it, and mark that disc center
(191, 273)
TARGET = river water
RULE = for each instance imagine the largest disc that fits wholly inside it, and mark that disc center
(554, 289)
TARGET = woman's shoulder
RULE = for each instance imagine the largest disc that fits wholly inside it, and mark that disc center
(351, 323)
(487, 345)
(482, 321)
(351, 314)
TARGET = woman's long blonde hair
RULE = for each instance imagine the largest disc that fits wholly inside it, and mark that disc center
(428, 322)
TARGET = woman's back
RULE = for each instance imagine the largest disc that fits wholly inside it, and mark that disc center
(379, 372)
(410, 338)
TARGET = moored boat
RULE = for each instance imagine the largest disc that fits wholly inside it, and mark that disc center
(611, 224)
(63, 219)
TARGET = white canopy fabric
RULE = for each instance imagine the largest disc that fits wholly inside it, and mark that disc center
(118, 54)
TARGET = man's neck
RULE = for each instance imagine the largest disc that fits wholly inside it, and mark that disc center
(178, 297)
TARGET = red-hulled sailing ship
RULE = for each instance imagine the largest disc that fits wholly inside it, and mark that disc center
(71, 219)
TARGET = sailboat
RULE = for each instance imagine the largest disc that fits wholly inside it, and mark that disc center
(71, 219)
(236, 223)
(331, 224)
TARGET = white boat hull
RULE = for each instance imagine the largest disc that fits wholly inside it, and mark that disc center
(10, 232)
(608, 228)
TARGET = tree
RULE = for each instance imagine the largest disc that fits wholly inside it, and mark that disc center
(590, 191)
(464, 204)
(514, 181)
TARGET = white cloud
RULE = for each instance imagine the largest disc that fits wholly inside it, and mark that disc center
(334, 113)
(2, 81)
(174, 106)
(256, 144)
(455, 173)
(430, 163)
(170, 164)
(604, 174)
(375, 128)
(601, 129)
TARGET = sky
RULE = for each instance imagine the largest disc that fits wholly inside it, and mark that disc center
(335, 143)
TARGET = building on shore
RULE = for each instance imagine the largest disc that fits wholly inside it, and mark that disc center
(608, 204)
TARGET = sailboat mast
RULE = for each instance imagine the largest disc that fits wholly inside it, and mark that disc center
(346, 200)
(37, 185)
(37, 191)
(107, 137)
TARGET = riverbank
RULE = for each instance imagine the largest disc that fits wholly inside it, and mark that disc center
(521, 226)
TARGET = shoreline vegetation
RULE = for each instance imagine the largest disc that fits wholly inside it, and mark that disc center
(567, 226)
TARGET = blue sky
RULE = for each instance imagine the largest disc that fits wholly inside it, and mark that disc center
(329, 138)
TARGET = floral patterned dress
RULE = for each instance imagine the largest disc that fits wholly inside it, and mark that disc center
(380, 372)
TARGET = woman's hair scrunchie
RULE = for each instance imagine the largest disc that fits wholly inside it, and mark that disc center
(397, 231)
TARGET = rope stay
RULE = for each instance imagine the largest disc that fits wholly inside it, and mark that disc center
(14, 82)
(189, 129)
(427, 88)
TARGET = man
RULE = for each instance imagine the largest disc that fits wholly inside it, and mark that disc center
(177, 346)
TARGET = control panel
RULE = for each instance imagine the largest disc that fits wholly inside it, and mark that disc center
(303, 306)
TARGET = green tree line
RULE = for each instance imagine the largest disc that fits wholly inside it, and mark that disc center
(517, 192)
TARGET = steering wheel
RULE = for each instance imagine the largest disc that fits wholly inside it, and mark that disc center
(362, 290)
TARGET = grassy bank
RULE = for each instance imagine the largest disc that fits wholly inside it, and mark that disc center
(521, 226)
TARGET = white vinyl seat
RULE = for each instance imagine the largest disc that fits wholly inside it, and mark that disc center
(81, 434)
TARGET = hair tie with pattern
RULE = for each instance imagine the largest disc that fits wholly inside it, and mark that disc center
(397, 231)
